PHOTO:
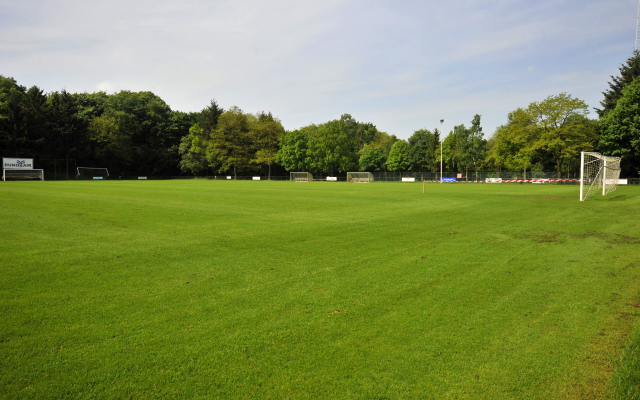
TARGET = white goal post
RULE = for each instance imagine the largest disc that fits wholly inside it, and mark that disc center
(359, 177)
(92, 173)
(22, 174)
(301, 177)
(598, 172)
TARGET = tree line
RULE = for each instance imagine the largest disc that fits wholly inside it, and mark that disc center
(134, 133)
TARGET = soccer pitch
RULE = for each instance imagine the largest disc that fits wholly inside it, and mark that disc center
(242, 289)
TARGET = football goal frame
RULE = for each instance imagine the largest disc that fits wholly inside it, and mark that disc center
(598, 173)
(23, 175)
(359, 177)
(92, 173)
(300, 176)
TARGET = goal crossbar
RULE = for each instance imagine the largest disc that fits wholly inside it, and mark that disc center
(92, 173)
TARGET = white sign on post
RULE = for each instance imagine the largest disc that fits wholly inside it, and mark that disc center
(332, 178)
(256, 178)
(408, 179)
(17, 163)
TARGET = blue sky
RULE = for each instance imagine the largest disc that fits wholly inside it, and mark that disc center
(400, 65)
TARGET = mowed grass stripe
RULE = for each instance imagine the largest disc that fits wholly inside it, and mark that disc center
(313, 290)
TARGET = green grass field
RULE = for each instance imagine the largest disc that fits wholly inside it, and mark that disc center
(215, 289)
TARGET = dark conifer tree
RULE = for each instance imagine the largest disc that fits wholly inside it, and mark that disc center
(628, 73)
(210, 117)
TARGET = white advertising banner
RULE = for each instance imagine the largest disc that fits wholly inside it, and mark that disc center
(256, 178)
(332, 178)
(17, 163)
(408, 179)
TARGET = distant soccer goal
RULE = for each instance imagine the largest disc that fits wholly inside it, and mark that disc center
(598, 173)
(301, 177)
(92, 173)
(22, 174)
(359, 177)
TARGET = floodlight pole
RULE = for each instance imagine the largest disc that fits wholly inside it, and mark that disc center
(441, 133)
(637, 46)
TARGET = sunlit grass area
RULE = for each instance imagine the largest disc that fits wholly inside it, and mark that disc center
(216, 289)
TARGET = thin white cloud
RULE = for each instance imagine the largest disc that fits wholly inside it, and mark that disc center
(402, 66)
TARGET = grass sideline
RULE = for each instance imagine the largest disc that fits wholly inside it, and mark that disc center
(214, 289)
(626, 378)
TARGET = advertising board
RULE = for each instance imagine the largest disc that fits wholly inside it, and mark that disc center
(17, 163)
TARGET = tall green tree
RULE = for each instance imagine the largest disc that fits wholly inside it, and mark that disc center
(146, 118)
(193, 146)
(68, 132)
(462, 157)
(422, 150)
(563, 130)
(399, 156)
(209, 116)
(477, 146)
(374, 155)
(91, 105)
(193, 150)
(266, 132)
(470, 145)
(14, 134)
(331, 148)
(230, 146)
(294, 146)
(628, 73)
(449, 152)
(37, 115)
(110, 145)
(513, 144)
(620, 129)
(362, 133)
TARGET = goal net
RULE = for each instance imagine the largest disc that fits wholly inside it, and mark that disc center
(359, 177)
(92, 173)
(22, 174)
(598, 174)
(301, 177)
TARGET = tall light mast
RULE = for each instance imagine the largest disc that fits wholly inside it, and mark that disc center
(637, 47)
(441, 139)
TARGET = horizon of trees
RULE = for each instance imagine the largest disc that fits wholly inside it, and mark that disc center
(137, 133)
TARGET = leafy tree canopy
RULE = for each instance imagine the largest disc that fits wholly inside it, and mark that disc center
(373, 156)
(620, 129)
(513, 144)
(563, 131)
(193, 149)
(399, 156)
(230, 146)
(423, 146)
(331, 148)
(293, 152)
(266, 131)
